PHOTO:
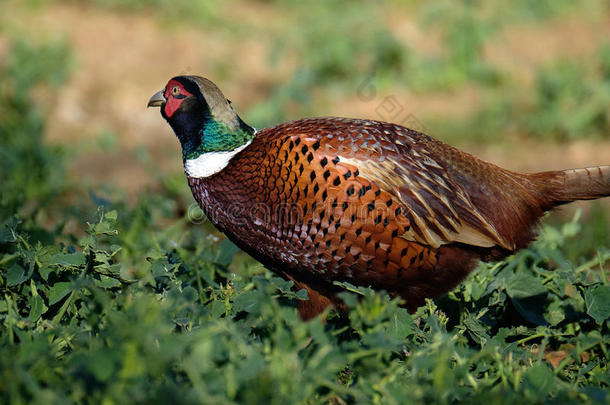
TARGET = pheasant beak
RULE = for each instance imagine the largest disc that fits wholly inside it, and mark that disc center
(157, 100)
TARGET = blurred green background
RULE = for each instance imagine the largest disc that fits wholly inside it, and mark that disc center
(525, 85)
(114, 289)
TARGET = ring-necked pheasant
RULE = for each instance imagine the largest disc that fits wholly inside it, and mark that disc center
(368, 202)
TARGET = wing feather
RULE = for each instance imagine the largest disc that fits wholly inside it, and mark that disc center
(399, 161)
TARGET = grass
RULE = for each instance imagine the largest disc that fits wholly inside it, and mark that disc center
(569, 101)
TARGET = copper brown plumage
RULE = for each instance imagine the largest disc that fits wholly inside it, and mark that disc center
(376, 204)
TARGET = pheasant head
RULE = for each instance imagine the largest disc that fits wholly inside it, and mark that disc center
(208, 128)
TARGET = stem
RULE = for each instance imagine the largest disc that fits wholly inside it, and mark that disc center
(526, 339)
(8, 258)
(199, 286)
(365, 353)
(592, 262)
(25, 243)
(602, 269)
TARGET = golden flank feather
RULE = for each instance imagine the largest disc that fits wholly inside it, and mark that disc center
(437, 220)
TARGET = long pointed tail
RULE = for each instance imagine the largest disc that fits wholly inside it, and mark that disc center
(586, 184)
(564, 186)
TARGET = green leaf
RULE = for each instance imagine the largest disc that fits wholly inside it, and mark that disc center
(540, 379)
(555, 317)
(531, 308)
(302, 294)
(8, 230)
(353, 288)
(101, 365)
(107, 282)
(16, 275)
(247, 301)
(59, 291)
(37, 307)
(217, 308)
(523, 285)
(226, 252)
(598, 303)
(69, 259)
(476, 329)
(284, 286)
(44, 272)
(190, 294)
(401, 324)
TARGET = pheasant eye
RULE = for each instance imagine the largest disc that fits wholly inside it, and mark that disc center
(175, 90)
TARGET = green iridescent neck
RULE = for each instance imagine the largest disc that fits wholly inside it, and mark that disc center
(217, 136)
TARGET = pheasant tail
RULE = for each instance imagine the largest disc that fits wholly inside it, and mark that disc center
(565, 186)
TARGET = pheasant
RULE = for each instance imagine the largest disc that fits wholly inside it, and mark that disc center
(371, 203)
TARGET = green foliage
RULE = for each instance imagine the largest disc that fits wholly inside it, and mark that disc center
(569, 101)
(80, 324)
(171, 11)
(517, 11)
(572, 100)
(29, 171)
(329, 51)
(464, 33)
(334, 52)
(335, 47)
(340, 48)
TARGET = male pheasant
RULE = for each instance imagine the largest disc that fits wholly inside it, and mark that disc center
(371, 203)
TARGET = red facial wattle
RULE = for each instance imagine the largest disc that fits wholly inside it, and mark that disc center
(174, 100)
